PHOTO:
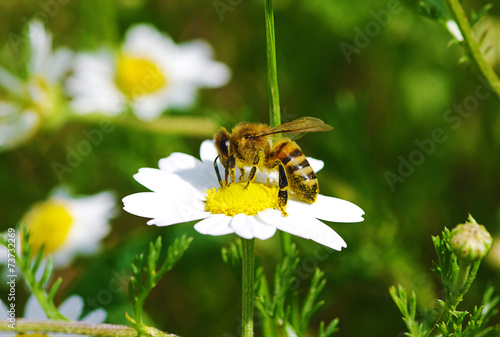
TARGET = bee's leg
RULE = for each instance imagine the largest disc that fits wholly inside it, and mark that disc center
(242, 172)
(253, 171)
(217, 172)
(283, 190)
(231, 169)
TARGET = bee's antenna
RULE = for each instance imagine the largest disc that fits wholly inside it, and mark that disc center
(217, 171)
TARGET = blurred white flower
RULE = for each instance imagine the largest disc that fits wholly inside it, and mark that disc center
(69, 226)
(186, 189)
(454, 30)
(150, 72)
(71, 308)
(34, 98)
(17, 125)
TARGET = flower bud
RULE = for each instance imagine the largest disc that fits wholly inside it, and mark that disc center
(470, 241)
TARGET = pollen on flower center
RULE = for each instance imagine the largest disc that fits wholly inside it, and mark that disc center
(137, 76)
(49, 223)
(236, 199)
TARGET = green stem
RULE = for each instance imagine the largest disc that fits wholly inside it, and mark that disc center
(47, 305)
(474, 267)
(273, 92)
(139, 325)
(484, 67)
(286, 243)
(461, 287)
(463, 276)
(248, 274)
(24, 264)
(272, 73)
(79, 328)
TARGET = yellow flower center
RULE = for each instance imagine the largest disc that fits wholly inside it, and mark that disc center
(32, 335)
(137, 76)
(49, 223)
(235, 199)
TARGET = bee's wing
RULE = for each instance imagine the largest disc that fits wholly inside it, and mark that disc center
(298, 126)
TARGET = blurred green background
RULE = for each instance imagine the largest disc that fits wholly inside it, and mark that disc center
(389, 95)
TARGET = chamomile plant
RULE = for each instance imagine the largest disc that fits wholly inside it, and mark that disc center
(42, 316)
(459, 253)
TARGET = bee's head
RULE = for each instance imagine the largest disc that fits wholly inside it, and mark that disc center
(222, 143)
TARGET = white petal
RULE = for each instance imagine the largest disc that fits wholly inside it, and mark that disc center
(147, 108)
(193, 65)
(189, 169)
(16, 126)
(327, 208)
(33, 309)
(174, 195)
(92, 85)
(41, 44)
(163, 208)
(158, 180)
(146, 41)
(3, 310)
(60, 64)
(305, 227)
(316, 164)
(96, 317)
(214, 225)
(10, 82)
(249, 227)
(146, 204)
(242, 226)
(175, 95)
(40, 271)
(261, 229)
(454, 30)
(208, 153)
(183, 214)
(178, 162)
(198, 66)
(72, 307)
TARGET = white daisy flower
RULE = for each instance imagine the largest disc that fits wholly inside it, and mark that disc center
(35, 98)
(150, 72)
(69, 226)
(71, 308)
(186, 189)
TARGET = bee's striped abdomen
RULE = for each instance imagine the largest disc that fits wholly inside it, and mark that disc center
(301, 177)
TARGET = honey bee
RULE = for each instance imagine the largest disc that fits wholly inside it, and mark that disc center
(251, 144)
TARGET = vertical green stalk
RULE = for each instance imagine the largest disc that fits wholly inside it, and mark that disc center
(466, 274)
(484, 67)
(248, 274)
(272, 73)
(273, 93)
